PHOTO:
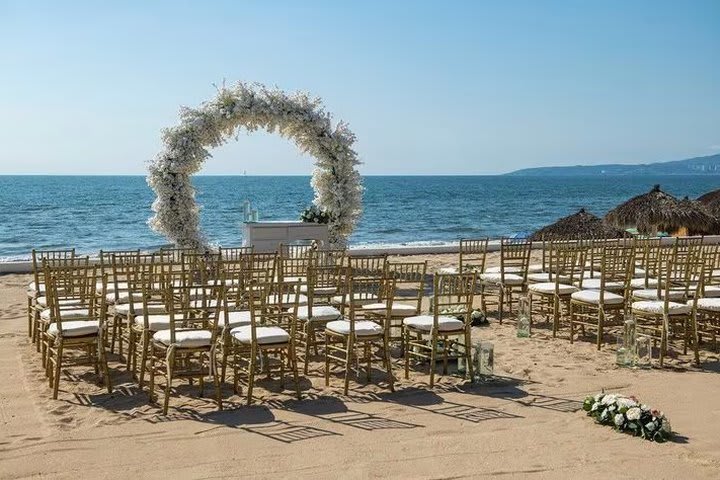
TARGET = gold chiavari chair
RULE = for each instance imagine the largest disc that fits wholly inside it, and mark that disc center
(293, 262)
(510, 278)
(329, 256)
(271, 332)
(176, 253)
(605, 305)
(116, 290)
(670, 314)
(68, 300)
(323, 282)
(345, 336)
(472, 255)
(410, 285)
(647, 254)
(36, 288)
(73, 328)
(422, 334)
(188, 348)
(154, 282)
(706, 309)
(566, 262)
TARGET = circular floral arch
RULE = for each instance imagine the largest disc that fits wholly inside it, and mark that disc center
(335, 179)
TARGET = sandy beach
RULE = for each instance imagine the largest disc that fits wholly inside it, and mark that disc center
(527, 423)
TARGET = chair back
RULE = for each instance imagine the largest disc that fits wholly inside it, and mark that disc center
(204, 268)
(190, 307)
(453, 295)
(370, 266)
(235, 253)
(71, 282)
(514, 257)
(258, 268)
(566, 263)
(293, 262)
(369, 287)
(409, 280)
(57, 256)
(176, 253)
(473, 253)
(273, 304)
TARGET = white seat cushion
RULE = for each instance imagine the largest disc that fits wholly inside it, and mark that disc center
(549, 287)
(652, 294)
(538, 277)
(510, 278)
(123, 297)
(358, 299)
(712, 291)
(155, 322)
(640, 283)
(711, 304)
(590, 274)
(657, 307)
(67, 314)
(110, 287)
(185, 338)
(32, 289)
(264, 335)
(234, 319)
(593, 297)
(398, 309)
(425, 323)
(124, 309)
(447, 270)
(77, 328)
(535, 268)
(507, 270)
(320, 313)
(594, 284)
(363, 328)
(288, 299)
(64, 302)
(638, 273)
(293, 279)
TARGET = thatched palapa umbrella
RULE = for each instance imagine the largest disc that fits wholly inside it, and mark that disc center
(711, 200)
(657, 211)
(579, 225)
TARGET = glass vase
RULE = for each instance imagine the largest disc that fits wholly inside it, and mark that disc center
(523, 321)
(621, 356)
(484, 359)
(643, 351)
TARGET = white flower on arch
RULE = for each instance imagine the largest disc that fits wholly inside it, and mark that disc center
(335, 179)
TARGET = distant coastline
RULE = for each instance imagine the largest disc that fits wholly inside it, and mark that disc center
(708, 165)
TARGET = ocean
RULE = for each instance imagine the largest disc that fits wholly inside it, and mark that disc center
(111, 212)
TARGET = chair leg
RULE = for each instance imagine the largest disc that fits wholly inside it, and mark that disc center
(433, 347)
(601, 322)
(145, 341)
(306, 327)
(294, 366)
(386, 353)
(327, 361)
(468, 354)
(556, 315)
(251, 373)
(501, 301)
(349, 353)
(368, 361)
(102, 359)
(170, 367)
(572, 323)
(56, 374)
(406, 350)
(152, 375)
(30, 317)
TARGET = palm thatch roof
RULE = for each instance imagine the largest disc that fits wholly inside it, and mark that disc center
(579, 225)
(711, 200)
(657, 211)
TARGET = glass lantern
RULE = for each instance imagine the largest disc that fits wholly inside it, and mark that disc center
(621, 355)
(643, 351)
(484, 359)
(523, 321)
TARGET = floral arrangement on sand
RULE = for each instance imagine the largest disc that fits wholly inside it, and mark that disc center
(297, 116)
(477, 317)
(314, 214)
(628, 415)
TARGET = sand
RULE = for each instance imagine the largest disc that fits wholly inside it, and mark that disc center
(525, 424)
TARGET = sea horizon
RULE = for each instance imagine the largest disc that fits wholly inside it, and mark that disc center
(94, 212)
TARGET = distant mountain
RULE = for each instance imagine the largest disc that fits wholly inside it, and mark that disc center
(709, 165)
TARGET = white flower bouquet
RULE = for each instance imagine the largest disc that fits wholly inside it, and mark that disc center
(477, 317)
(627, 414)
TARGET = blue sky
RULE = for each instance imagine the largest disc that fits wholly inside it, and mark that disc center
(443, 87)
